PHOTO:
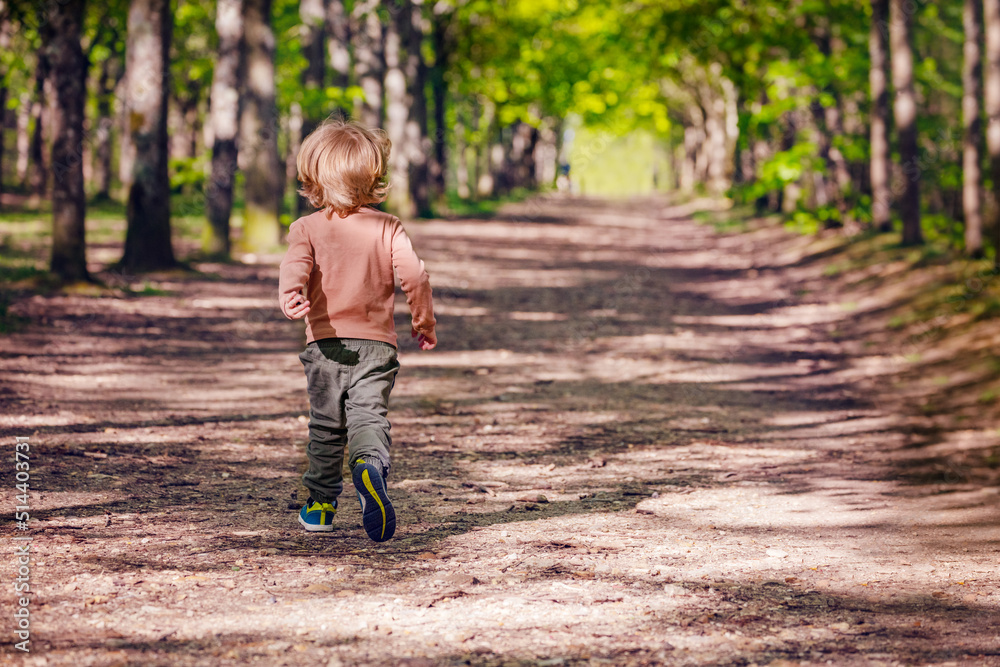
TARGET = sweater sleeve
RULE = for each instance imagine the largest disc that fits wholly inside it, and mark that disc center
(414, 280)
(296, 266)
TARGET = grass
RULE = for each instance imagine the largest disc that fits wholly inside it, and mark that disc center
(833, 270)
(9, 322)
(483, 207)
(737, 220)
(25, 235)
(149, 289)
(950, 284)
(25, 238)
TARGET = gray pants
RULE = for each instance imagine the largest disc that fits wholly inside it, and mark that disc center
(349, 380)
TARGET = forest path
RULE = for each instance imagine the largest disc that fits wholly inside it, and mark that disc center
(639, 442)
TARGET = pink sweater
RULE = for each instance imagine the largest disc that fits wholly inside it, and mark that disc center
(344, 266)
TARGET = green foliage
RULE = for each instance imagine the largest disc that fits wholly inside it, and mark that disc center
(784, 168)
(193, 51)
(483, 207)
(611, 68)
(803, 222)
(188, 172)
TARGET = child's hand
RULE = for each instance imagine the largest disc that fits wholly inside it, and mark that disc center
(296, 306)
(425, 341)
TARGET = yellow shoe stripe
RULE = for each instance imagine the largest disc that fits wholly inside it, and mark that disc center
(323, 509)
(371, 489)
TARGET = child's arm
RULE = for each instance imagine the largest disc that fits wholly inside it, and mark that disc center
(294, 274)
(417, 285)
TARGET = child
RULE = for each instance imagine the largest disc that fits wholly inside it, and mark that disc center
(338, 273)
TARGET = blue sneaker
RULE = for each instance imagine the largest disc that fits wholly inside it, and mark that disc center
(317, 517)
(377, 514)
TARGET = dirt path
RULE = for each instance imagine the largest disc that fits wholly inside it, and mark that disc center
(638, 443)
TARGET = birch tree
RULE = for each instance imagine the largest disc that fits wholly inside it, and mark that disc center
(259, 132)
(368, 41)
(224, 114)
(972, 135)
(905, 112)
(69, 261)
(991, 105)
(147, 237)
(878, 79)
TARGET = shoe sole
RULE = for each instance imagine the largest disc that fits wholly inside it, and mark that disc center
(378, 515)
(315, 527)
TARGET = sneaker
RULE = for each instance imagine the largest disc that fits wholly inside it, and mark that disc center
(317, 516)
(377, 513)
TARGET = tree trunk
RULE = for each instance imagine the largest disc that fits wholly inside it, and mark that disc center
(439, 88)
(878, 81)
(905, 112)
(126, 149)
(369, 61)
(4, 92)
(417, 140)
(744, 165)
(786, 199)
(192, 119)
(102, 151)
(294, 125)
(716, 144)
(338, 30)
(461, 159)
(23, 138)
(546, 157)
(147, 238)
(695, 154)
(3, 114)
(224, 116)
(714, 108)
(829, 120)
(397, 112)
(836, 178)
(760, 153)
(688, 171)
(497, 159)
(485, 180)
(991, 23)
(699, 144)
(972, 74)
(259, 132)
(39, 170)
(176, 111)
(520, 169)
(69, 257)
(313, 14)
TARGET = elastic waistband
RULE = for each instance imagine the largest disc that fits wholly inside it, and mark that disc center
(351, 342)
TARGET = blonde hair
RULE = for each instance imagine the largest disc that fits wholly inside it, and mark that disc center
(343, 165)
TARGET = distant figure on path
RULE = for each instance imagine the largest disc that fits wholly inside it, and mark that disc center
(338, 273)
